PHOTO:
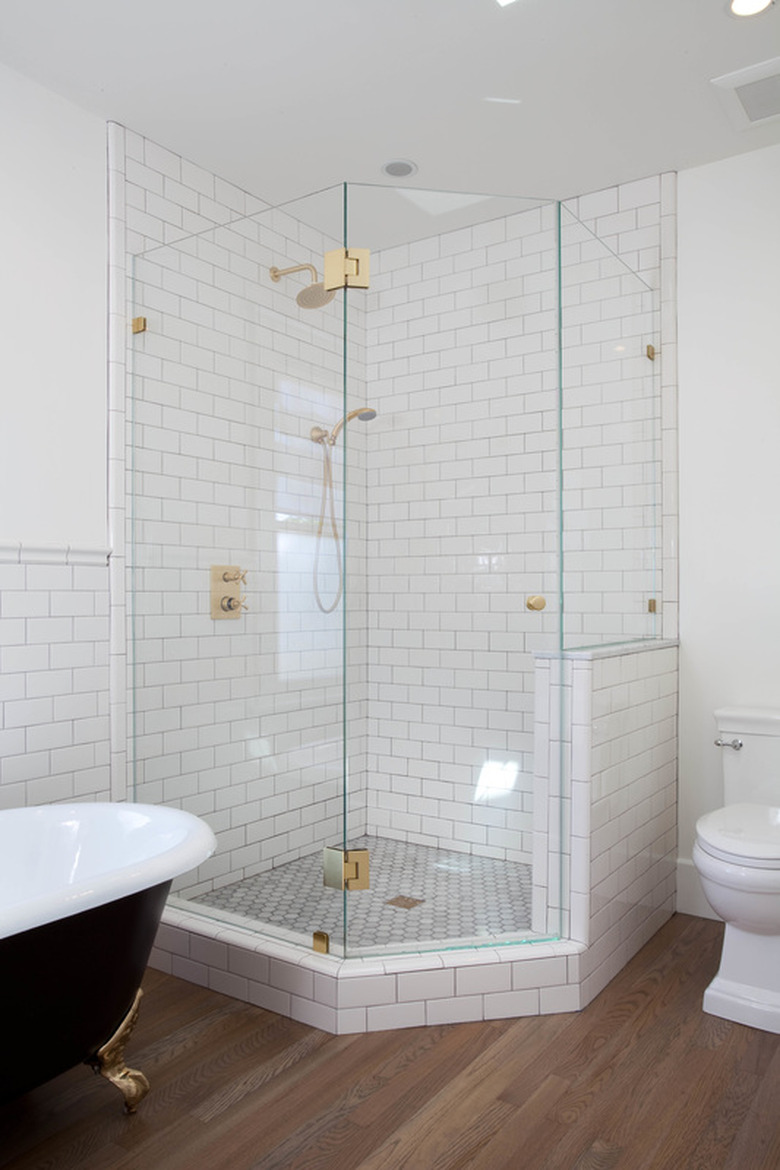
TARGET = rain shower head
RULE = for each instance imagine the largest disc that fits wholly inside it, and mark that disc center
(315, 295)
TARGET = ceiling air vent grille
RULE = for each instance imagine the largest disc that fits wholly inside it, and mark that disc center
(751, 96)
(760, 99)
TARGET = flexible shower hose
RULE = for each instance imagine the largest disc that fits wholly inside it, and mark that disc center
(328, 503)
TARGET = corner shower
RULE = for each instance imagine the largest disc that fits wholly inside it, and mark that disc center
(378, 695)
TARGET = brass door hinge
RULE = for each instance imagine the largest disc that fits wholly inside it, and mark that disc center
(346, 268)
(345, 869)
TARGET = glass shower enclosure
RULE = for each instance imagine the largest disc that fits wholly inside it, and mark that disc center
(386, 446)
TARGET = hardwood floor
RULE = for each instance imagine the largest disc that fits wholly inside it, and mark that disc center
(640, 1080)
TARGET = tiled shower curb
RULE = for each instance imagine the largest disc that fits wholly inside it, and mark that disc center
(370, 994)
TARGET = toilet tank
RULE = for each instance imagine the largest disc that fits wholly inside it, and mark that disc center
(752, 773)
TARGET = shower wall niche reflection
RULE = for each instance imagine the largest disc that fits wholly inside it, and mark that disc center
(387, 466)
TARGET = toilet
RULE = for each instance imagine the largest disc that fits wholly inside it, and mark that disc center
(737, 855)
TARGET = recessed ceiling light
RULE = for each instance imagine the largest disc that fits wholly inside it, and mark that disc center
(504, 101)
(504, 3)
(400, 168)
(748, 7)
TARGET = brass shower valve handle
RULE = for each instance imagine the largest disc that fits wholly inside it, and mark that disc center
(231, 604)
(235, 575)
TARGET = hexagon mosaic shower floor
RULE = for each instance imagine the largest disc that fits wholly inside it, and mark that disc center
(418, 895)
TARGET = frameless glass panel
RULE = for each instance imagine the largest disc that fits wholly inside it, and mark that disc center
(239, 717)
(611, 457)
(452, 522)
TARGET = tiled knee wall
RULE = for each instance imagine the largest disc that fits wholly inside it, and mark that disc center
(632, 836)
(54, 675)
(620, 811)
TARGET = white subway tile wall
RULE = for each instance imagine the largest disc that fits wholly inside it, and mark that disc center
(54, 675)
(460, 336)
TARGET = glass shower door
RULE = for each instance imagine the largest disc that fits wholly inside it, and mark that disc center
(237, 645)
(453, 525)
(611, 435)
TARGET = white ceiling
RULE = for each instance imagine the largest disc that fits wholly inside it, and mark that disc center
(286, 96)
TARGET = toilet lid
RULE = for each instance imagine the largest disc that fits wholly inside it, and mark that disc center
(749, 832)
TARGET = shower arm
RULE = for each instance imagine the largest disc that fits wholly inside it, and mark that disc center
(276, 274)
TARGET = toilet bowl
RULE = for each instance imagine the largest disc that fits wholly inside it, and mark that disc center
(737, 856)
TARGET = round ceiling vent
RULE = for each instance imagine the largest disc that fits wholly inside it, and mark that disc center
(400, 168)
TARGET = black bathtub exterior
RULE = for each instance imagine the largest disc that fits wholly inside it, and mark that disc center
(65, 987)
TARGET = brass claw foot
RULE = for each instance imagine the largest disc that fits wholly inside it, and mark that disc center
(109, 1061)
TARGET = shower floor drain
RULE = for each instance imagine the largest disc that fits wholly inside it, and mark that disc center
(404, 902)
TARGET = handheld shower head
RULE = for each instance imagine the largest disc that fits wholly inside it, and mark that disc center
(320, 435)
(364, 413)
(315, 295)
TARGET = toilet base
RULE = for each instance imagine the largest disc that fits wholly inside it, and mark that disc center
(747, 986)
(744, 1005)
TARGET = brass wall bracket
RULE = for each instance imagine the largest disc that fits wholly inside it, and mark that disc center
(320, 941)
(139, 325)
(650, 351)
(651, 605)
(346, 268)
(345, 869)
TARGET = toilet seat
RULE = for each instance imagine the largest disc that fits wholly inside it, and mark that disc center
(742, 834)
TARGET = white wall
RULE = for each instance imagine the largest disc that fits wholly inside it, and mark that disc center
(52, 319)
(54, 629)
(729, 377)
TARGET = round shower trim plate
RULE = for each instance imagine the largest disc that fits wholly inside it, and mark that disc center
(400, 168)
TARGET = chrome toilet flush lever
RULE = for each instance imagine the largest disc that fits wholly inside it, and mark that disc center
(736, 744)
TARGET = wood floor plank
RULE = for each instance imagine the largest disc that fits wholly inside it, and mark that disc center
(642, 1079)
(519, 1138)
(622, 1093)
(395, 1092)
(757, 1141)
(465, 1103)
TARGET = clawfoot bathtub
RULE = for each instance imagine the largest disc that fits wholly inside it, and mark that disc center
(82, 890)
